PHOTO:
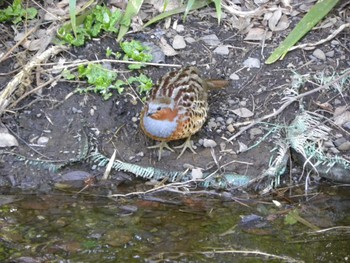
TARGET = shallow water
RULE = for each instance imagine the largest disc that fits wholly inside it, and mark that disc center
(172, 228)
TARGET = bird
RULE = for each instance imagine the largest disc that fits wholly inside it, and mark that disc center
(177, 108)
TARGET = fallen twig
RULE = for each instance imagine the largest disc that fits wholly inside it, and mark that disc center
(13, 84)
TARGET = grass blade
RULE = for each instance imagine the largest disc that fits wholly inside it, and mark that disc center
(72, 13)
(316, 13)
(196, 5)
(132, 9)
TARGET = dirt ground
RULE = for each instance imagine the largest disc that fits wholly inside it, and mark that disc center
(114, 124)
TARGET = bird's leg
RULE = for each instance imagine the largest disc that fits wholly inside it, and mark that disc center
(184, 146)
(161, 146)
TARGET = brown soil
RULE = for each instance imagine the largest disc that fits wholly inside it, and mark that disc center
(110, 126)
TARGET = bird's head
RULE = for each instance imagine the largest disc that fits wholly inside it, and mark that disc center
(162, 109)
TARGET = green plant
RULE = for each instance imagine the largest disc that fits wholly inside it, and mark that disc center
(137, 52)
(16, 13)
(99, 19)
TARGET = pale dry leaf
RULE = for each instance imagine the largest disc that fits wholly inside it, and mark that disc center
(341, 115)
(243, 112)
(242, 147)
(325, 106)
(7, 139)
(274, 19)
(166, 48)
(55, 13)
(257, 34)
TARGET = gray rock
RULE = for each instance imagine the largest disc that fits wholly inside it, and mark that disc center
(330, 54)
(211, 40)
(234, 76)
(254, 132)
(230, 128)
(339, 141)
(344, 146)
(229, 121)
(252, 63)
(179, 42)
(190, 40)
(43, 140)
(222, 50)
(318, 53)
(209, 143)
(180, 28)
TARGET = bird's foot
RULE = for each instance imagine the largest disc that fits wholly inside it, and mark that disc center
(161, 146)
(184, 146)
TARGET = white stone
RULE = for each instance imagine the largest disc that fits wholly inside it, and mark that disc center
(222, 50)
(234, 76)
(252, 63)
(209, 143)
(318, 53)
(43, 140)
(179, 42)
(211, 40)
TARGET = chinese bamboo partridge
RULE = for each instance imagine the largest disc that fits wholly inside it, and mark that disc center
(177, 107)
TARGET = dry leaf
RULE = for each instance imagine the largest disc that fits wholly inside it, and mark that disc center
(243, 112)
(7, 139)
(166, 48)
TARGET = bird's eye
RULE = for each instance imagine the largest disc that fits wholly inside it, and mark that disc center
(159, 108)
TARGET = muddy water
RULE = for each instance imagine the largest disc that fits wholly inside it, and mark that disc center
(66, 228)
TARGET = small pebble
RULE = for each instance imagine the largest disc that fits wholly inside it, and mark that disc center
(209, 143)
(218, 131)
(234, 76)
(254, 132)
(330, 54)
(344, 146)
(140, 154)
(222, 50)
(328, 144)
(252, 63)
(212, 124)
(222, 146)
(187, 166)
(334, 150)
(229, 121)
(220, 119)
(230, 128)
(318, 53)
(339, 141)
(179, 42)
(190, 40)
(180, 28)
(200, 141)
(134, 119)
(211, 40)
(346, 125)
(43, 140)
(243, 103)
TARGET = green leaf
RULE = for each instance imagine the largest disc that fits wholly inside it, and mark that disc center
(218, 9)
(291, 217)
(145, 83)
(132, 9)
(316, 13)
(188, 8)
(72, 14)
(196, 5)
(67, 74)
(136, 51)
